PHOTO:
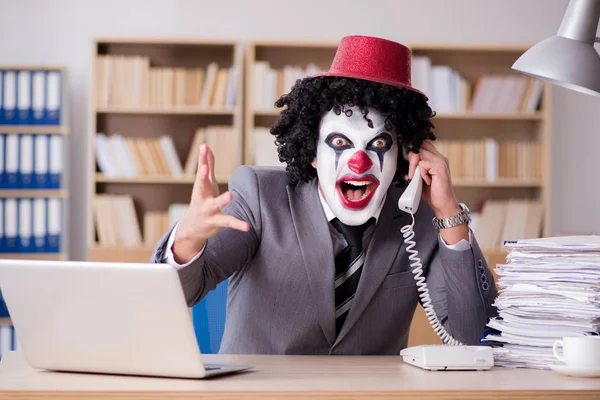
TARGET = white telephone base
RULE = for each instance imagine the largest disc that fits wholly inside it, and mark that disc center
(439, 357)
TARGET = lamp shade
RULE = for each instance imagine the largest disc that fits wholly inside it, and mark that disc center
(570, 63)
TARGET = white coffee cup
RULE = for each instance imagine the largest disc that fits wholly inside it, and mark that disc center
(579, 351)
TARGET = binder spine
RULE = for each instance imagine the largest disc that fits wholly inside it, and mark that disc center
(10, 98)
(38, 98)
(53, 98)
(23, 97)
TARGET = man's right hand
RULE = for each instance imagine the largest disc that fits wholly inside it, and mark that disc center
(204, 217)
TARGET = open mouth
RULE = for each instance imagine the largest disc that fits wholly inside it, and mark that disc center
(356, 192)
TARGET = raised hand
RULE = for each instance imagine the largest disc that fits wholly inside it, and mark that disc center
(204, 217)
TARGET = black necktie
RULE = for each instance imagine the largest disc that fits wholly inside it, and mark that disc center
(348, 267)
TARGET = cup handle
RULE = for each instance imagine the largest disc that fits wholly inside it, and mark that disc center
(555, 350)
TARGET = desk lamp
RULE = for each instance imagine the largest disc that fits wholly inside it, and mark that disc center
(568, 59)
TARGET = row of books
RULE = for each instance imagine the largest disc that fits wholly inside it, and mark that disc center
(8, 340)
(156, 223)
(120, 156)
(507, 94)
(131, 81)
(450, 92)
(31, 225)
(31, 161)
(117, 225)
(511, 219)
(30, 97)
(225, 145)
(490, 159)
(271, 83)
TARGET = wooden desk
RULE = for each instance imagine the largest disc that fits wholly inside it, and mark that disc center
(299, 377)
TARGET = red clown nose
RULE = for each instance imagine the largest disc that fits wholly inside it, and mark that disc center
(360, 162)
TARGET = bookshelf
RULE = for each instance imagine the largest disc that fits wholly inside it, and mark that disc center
(39, 128)
(464, 124)
(181, 92)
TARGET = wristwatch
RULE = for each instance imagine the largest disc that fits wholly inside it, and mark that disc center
(464, 217)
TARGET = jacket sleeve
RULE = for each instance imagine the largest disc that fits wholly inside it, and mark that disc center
(230, 250)
(462, 290)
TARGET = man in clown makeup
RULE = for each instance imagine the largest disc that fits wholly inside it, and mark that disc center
(314, 254)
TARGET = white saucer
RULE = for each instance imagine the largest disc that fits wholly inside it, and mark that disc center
(575, 371)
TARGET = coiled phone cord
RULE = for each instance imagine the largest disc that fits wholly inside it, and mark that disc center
(417, 270)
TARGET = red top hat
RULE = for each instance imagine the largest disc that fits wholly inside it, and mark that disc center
(373, 59)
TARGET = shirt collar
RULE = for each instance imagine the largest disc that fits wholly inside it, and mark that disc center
(329, 214)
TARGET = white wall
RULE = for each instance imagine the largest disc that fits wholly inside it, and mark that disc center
(61, 32)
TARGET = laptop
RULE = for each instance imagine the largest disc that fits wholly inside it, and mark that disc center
(100, 317)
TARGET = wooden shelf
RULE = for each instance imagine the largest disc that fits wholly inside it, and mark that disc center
(458, 116)
(35, 193)
(501, 183)
(181, 110)
(35, 129)
(34, 256)
(5, 322)
(34, 67)
(154, 179)
(120, 254)
(537, 116)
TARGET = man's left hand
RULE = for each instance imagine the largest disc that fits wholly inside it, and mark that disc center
(438, 191)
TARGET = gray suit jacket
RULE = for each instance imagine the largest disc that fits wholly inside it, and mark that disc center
(281, 273)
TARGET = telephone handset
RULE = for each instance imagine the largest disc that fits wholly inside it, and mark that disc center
(435, 357)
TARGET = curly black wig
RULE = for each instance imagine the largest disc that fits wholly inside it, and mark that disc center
(297, 129)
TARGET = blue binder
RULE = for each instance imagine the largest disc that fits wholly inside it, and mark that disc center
(24, 97)
(53, 98)
(41, 164)
(55, 162)
(40, 226)
(54, 225)
(25, 173)
(209, 319)
(25, 242)
(38, 97)
(11, 161)
(9, 99)
(1, 97)
(2, 235)
(11, 225)
(2, 160)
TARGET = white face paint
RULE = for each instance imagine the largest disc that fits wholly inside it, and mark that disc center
(355, 163)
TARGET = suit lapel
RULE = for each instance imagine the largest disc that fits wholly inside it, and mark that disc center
(314, 239)
(382, 250)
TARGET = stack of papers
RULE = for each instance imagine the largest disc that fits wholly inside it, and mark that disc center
(550, 288)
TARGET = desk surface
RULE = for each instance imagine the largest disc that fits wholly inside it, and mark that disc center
(293, 377)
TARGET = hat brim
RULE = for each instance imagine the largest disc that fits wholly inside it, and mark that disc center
(372, 79)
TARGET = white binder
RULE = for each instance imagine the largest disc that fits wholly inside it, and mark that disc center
(39, 225)
(26, 162)
(10, 98)
(38, 101)
(24, 96)
(41, 174)
(25, 226)
(53, 98)
(12, 160)
(10, 225)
